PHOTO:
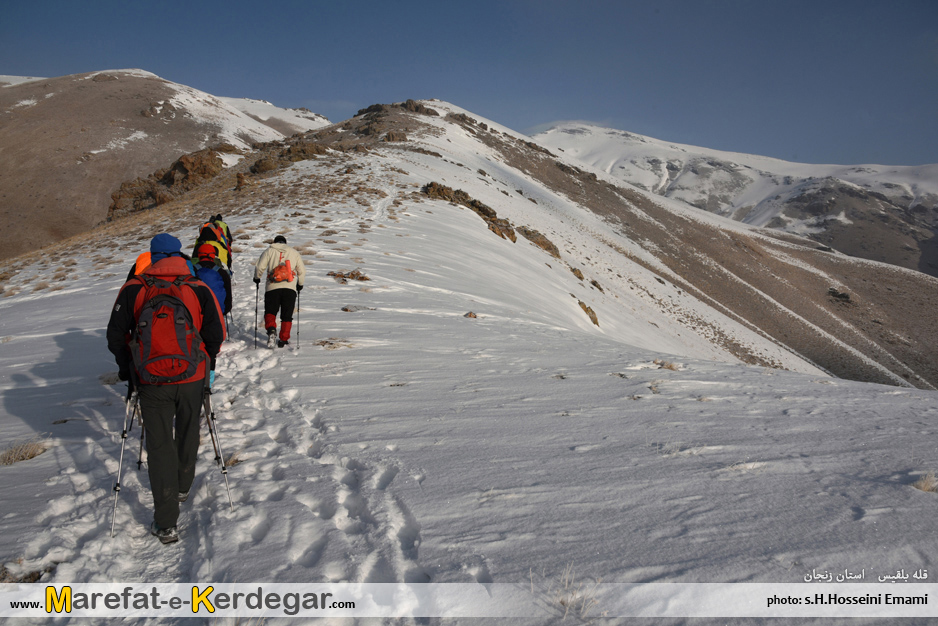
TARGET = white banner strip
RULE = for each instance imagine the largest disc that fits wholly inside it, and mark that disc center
(752, 600)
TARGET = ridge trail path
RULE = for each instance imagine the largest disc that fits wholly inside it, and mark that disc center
(334, 517)
(403, 442)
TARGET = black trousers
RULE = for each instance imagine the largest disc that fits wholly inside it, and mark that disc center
(171, 419)
(281, 301)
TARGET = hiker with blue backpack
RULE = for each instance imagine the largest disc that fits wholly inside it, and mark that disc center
(211, 272)
(165, 331)
(284, 271)
(215, 232)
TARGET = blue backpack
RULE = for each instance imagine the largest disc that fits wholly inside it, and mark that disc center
(210, 276)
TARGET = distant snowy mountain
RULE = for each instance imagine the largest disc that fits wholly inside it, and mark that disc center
(506, 366)
(69, 142)
(884, 213)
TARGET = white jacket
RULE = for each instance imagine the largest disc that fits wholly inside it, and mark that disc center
(275, 255)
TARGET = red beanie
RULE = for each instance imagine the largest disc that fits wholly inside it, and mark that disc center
(207, 251)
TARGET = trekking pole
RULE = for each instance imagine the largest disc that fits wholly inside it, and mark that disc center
(213, 432)
(140, 458)
(257, 291)
(298, 320)
(129, 415)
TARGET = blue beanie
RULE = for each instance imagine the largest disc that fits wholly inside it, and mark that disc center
(165, 243)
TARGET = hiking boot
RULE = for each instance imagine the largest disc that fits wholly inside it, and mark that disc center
(165, 535)
(271, 340)
(183, 496)
(281, 343)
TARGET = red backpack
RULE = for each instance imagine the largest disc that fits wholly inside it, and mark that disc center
(283, 273)
(166, 345)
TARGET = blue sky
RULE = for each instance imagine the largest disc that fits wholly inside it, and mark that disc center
(810, 81)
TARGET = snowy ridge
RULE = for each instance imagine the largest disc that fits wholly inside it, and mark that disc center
(8, 81)
(694, 175)
(232, 125)
(397, 440)
(299, 119)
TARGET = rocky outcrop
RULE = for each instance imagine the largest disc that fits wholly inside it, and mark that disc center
(497, 225)
(188, 172)
(410, 105)
(279, 155)
(539, 240)
(590, 313)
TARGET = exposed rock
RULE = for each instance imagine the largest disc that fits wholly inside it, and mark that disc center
(589, 312)
(416, 107)
(539, 240)
(372, 128)
(374, 108)
(839, 295)
(343, 277)
(188, 172)
(462, 119)
(303, 151)
(427, 152)
(497, 225)
(267, 164)
(193, 169)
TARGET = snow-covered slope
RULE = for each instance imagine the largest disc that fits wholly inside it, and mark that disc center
(398, 440)
(899, 203)
(286, 121)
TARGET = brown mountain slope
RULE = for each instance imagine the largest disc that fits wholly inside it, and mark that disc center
(69, 142)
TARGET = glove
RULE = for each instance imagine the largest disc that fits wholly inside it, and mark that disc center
(299, 288)
(257, 281)
(123, 374)
(211, 379)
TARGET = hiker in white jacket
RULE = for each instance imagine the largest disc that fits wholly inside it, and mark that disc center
(284, 271)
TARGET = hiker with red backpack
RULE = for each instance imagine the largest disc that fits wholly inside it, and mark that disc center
(284, 271)
(165, 331)
(161, 247)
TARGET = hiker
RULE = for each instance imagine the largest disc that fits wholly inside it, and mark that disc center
(218, 221)
(216, 233)
(161, 246)
(283, 267)
(211, 272)
(159, 311)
